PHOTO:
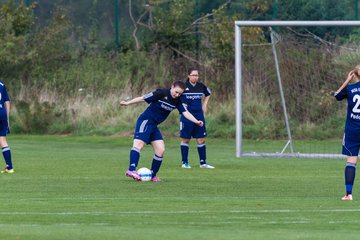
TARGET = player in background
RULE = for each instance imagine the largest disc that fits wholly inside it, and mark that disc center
(4, 128)
(351, 139)
(162, 102)
(195, 97)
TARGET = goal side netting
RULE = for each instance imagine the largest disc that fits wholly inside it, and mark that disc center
(285, 72)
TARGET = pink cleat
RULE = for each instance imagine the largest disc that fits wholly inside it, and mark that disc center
(155, 179)
(133, 174)
(347, 197)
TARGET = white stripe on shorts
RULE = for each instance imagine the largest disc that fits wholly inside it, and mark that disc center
(142, 126)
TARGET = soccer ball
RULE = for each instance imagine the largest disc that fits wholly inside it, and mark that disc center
(145, 174)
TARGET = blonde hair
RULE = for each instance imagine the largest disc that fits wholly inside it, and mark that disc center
(357, 72)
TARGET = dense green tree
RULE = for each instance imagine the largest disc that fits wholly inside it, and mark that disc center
(15, 23)
(317, 10)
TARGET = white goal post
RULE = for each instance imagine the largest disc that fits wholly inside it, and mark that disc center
(239, 81)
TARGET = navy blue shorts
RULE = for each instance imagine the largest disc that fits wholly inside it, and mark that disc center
(350, 145)
(4, 127)
(147, 131)
(189, 129)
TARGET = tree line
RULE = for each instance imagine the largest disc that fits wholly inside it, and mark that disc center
(63, 49)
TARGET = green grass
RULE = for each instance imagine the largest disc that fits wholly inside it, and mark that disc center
(74, 188)
(331, 146)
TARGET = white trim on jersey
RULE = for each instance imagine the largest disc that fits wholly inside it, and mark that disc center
(193, 93)
(148, 95)
(166, 103)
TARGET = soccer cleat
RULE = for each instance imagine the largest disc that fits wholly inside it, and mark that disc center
(155, 179)
(186, 165)
(7, 170)
(133, 174)
(206, 166)
(347, 197)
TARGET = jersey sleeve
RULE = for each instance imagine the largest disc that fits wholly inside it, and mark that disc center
(4, 94)
(341, 95)
(180, 107)
(153, 96)
(183, 99)
(207, 91)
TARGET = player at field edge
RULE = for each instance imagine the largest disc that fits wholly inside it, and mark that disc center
(162, 102)
(351, 139)
(195, 97)
(4, 128)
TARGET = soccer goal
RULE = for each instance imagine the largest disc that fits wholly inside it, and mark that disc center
(285, 72)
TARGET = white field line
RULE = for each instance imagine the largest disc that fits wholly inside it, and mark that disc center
(32, 225)
(48, 199)
(180, 223)
(183, 212)
(95, 199)
(117, 177)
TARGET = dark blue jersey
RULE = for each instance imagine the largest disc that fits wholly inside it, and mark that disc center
(161, 104)
(352, 93)
(192, 96)
(4, 97)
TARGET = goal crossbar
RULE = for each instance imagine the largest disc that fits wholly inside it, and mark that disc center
(239, 80)
(295, 23)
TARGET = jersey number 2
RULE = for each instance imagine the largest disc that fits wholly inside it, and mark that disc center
(356, 108)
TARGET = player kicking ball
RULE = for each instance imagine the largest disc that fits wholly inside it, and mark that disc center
(351, 140)
(162, 102)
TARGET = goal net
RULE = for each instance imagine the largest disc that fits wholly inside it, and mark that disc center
(285, 72)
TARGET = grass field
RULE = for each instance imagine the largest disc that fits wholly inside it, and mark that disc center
(75, 188)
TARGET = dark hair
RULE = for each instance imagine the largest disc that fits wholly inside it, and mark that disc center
(179, 84)
(192, 69)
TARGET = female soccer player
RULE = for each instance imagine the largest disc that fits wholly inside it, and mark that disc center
(4, 128)
(196, 97)
(162, 102)
(351, 140)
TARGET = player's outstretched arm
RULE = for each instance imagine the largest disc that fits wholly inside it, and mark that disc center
(348, 79)
(132, 101)
(192, 118)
